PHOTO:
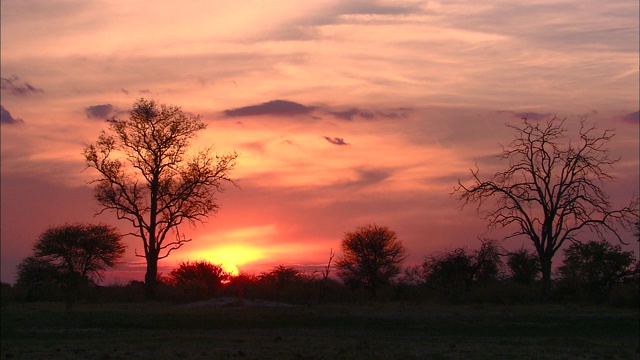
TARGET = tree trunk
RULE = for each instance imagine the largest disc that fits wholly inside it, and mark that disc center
(545, 269)
(150, 278)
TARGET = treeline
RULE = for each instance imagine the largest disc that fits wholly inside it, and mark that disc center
(594, 272)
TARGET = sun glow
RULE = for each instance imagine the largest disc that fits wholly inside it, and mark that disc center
(231, 269)
(231, 257)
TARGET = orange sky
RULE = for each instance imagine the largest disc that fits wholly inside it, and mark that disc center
(344, 113)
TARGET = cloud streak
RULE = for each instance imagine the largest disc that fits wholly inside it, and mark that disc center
(14, 86)
(274, 108)
(336, 140)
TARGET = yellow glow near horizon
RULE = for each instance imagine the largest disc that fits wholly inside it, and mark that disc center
(230, 257)
(231, 269)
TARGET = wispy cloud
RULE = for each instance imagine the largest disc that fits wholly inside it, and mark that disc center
(275, 107)
(336, 140)
(350, 114)
(6, 118)
(14, 86)
(526, 115)
(99, 111)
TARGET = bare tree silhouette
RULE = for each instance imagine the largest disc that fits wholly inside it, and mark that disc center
(552, 189)
(164, 188)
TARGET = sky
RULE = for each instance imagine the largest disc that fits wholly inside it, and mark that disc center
(344, 113)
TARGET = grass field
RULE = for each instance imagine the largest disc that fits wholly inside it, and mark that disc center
(367, 331)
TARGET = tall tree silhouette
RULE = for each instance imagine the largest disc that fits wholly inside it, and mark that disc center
(162, 187)
(552, 189)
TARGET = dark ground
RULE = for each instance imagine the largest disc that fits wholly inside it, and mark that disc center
(228, 328)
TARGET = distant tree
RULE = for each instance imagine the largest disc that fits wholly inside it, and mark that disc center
(551, 190)
(281, 275)
(371, 257)
(73, 255)
(524, 266)
(460, 269)
(198, 279)
(327, 269)
(164, 187)
(596, 264)
(487, 261)
(452, 270)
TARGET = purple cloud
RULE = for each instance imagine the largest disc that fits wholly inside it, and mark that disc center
(12, 86)
(349, 114)
(99, 111)
(6, 118)
(275, 107)
(632, 118)
(368, 115)
(336, 140)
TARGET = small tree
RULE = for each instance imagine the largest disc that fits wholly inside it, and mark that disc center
(597, 264)
(34, 270)
(164, 187)
(524, 266)
(551, 190)
(83, 249)
(73, 255)
(371, 257)
(487, 262)
(452, 270)
(459, 269)
(198, 279)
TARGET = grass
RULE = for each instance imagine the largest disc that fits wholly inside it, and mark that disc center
(374, 331)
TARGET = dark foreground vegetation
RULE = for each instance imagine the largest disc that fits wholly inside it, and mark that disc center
(366, 330)
(201, 313)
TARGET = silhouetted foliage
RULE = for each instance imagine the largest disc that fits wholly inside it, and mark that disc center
(524, 266)
(454, 272)
(198, 280)
(371, 257)
(83, 249)
(552, 189)
(595, 266)
(487, 261)
(282, 275)
(162, 188)
(74, 255)
(40, 278)
(282, 283)
(34, 270)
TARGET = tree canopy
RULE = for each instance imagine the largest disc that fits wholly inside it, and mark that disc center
(72, 256)
(371, 257)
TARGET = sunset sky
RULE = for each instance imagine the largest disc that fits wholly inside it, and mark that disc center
(344, 113)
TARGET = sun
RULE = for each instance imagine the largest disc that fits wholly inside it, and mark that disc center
(231, 269)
